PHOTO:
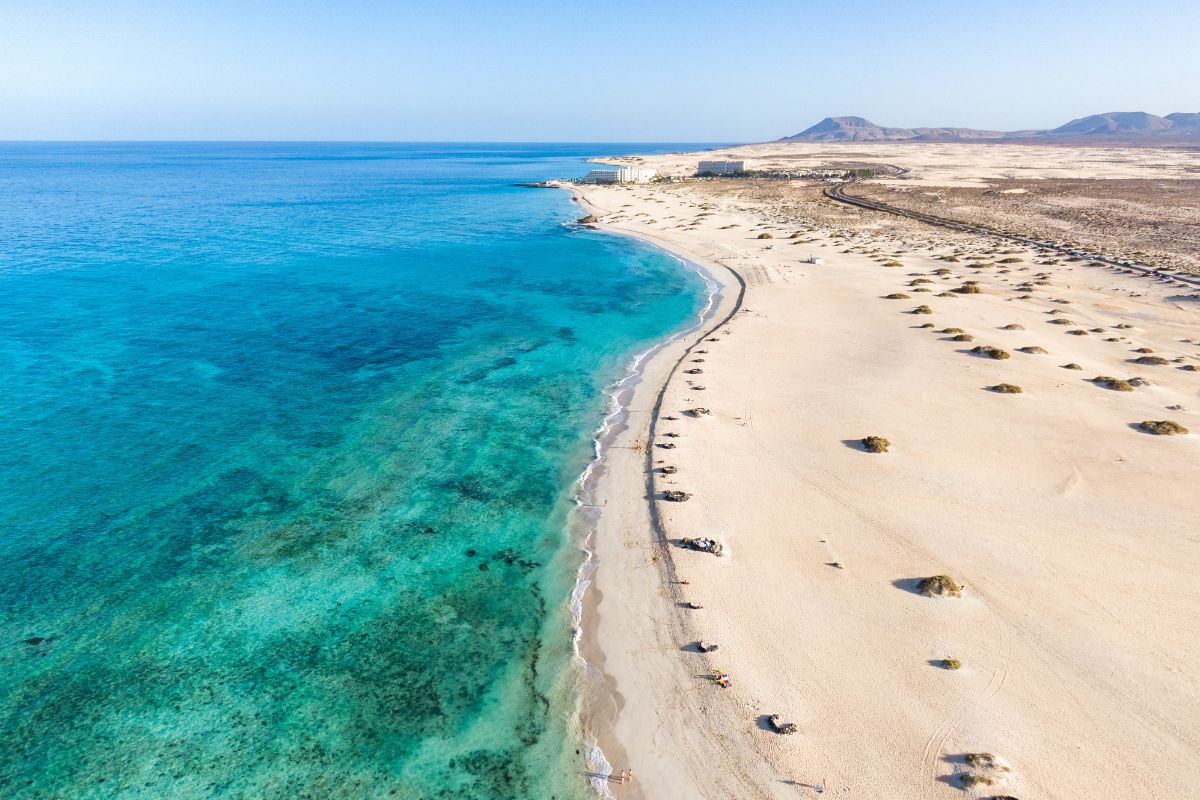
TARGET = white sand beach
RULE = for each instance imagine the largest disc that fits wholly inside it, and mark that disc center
(1072, 533)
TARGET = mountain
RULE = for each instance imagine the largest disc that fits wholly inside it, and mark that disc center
(1114, 126)
(1185, 121)
(849, 129)
(1115, 122)
(857, 129)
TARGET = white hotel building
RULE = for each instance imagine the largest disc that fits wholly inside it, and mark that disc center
(721, 167)
(622, 175)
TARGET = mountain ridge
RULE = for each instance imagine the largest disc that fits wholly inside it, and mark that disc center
(1113, 124)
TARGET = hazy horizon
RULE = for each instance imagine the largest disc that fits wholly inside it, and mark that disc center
(535, 72)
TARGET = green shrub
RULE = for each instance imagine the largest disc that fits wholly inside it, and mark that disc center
(940, 585)
(1006, 388)
(922, 310)
(990, 351)
(1162, 427)
(1150, 361)
(876, 444)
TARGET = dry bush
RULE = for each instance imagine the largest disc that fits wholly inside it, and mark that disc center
(876, 444)
(990, 351)
(1162, 427)
(940, 585)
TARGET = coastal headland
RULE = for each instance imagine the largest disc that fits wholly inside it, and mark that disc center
(1022, 396)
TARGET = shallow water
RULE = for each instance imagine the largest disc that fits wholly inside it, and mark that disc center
(288, 441)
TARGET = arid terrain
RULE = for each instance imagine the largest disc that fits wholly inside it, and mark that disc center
(1157, 221)
(1143, 203)
(1039, 418)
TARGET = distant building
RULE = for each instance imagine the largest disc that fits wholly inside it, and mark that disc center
(636, 175)
(721, 167)
(601, 176)
(622, 175)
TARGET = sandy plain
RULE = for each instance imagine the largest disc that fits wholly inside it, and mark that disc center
(1071, 531)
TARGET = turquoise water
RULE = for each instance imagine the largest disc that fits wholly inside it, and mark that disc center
(288, 441)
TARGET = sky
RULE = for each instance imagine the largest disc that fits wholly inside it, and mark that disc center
(531, 70)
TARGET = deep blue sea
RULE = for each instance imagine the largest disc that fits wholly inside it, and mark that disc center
(289, 439)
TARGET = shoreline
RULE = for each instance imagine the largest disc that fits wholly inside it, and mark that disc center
(633, 419)
(589, 491)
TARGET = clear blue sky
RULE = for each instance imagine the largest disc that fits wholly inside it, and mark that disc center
(578, 70)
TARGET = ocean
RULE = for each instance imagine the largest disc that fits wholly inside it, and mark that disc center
(290, 437)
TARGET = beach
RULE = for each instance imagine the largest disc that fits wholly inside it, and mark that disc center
(1066, 666)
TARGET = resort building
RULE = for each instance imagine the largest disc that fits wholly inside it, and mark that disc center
(622, 175)
(721, 167)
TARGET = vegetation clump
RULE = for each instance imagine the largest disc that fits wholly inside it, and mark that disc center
(1150, 361)
(940, 294)
(1077, 332)
(876, 444)
(990, 351)
(922, 310)
(950, 663)
(1033, 349)
(975, 780)
(968, 288)
(1116, 384)
(1010, 261)
(951, 330)
(676, 496)
(940, 585)
(1006, 388)
(1061, 321)
(1013, 327)
(962, 337)
(698, 412)
(1072, 365)
(765, 236)
(1190, 368)
(1143, 350)
(925, 325)
(1162, 427)
(896, 296)
(984, 761)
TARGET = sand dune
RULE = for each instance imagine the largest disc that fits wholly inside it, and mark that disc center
(1071, 532)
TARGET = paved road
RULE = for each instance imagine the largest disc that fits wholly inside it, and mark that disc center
(838, 193)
